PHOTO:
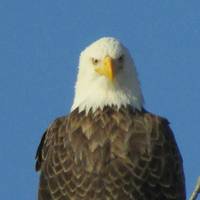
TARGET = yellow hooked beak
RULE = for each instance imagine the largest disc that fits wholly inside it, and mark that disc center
(107, 69)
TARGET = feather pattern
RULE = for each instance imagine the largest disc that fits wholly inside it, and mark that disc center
(110, 154)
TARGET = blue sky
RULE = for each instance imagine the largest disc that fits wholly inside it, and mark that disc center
(40, 42)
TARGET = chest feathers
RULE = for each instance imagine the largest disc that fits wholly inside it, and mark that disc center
(99, 138)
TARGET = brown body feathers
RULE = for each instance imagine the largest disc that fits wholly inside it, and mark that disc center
(110, 154)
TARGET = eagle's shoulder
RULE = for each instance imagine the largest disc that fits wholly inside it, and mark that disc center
(160, 130)
(162, 154)
(53, 131)
(159, 134)
(158, 127)
(154, 118)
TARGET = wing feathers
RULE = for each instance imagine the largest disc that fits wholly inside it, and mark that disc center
(110, 154)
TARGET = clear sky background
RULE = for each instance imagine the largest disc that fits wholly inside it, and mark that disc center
(40, 42)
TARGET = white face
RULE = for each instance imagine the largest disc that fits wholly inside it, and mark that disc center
(93, 57)
(107, 76)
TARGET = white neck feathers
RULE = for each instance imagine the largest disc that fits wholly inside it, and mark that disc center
(93, 91)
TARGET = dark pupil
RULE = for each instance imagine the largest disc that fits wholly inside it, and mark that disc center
(121, 58)
(95, 61)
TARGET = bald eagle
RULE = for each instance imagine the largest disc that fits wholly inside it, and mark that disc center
(109, 147)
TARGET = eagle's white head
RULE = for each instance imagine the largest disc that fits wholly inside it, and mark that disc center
(106, 77)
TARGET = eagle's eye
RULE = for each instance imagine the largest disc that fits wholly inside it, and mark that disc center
(95, 61)
(121, 59)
